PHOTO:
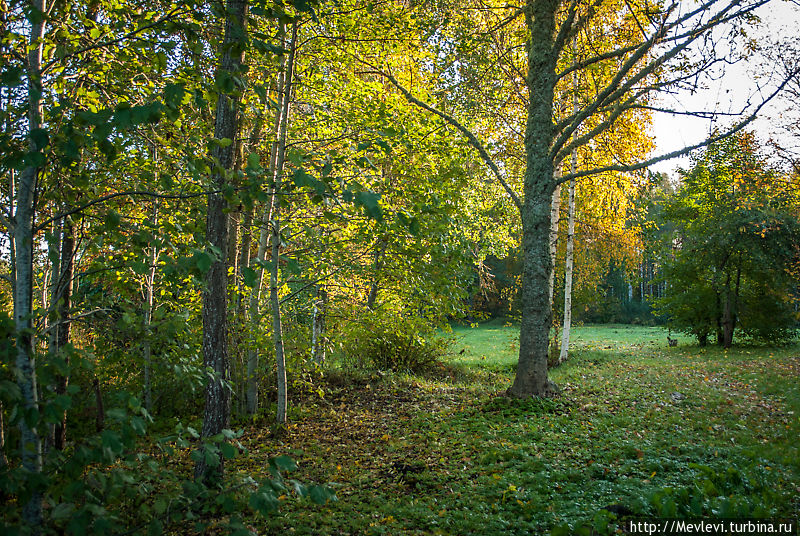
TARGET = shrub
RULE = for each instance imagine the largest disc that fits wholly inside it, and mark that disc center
(392, 341)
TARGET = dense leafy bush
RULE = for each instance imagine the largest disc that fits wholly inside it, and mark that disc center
(392, 341)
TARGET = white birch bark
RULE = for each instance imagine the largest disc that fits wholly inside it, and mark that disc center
(570, 259)
(22, 231)
(277, 330)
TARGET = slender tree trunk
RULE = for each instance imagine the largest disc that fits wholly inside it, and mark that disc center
(255, 298)
(63, 327)
(244, 258)
(531, 376)
(150, 281)
(568, 271)
(23, 241)
(318, 327)
(265, 231)
(100, 412)
(372, 296)
(215, 296)
(3, 458)
(555, 209)
(277, 330)
(54, 253)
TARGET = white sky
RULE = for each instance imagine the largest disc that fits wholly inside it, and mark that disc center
(780, 19)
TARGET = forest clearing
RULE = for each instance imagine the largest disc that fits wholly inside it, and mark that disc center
(397, 266)
(444, 453)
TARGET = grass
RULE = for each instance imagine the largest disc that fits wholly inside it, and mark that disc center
(669, 432)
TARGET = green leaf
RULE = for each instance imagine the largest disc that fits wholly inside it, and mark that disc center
(253, 161)
(203, 260)
(111, 441)
(370, 201)
(250, 276)
(155, 528)
(40, 137)
(284, 463)
(302, 178)
(62, 511)
(264, 502)
(113, 220)
(229, 452)
(413, 226)
(12, 76)
(321, 494)
(160, 506)
(211, 457)
(225, 142)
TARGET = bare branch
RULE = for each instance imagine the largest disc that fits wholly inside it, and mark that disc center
(674, 154)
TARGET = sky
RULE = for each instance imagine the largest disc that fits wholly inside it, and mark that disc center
(780, 18)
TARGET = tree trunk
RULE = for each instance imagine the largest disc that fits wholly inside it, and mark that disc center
(150, 281)
(244, 258)
(318, 327)
(63, 327)
(255, 298)
(531, 376)
(372, 296)
(555, 209)
(22, 230)
(263, 242)
(277, 330)
(570, 260)
(3, 458)
(215, 298)
(730, 313)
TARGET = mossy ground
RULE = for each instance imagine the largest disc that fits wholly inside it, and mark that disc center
(663, 431)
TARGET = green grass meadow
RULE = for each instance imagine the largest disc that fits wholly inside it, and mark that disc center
(639, 428)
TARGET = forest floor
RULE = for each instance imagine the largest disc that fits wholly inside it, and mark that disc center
(642, 428)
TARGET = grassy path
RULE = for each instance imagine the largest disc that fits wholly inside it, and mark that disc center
(654, 430)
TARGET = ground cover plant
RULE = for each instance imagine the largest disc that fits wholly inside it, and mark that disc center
(640, 428)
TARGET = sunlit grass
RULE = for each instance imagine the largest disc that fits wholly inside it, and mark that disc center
(657, 429)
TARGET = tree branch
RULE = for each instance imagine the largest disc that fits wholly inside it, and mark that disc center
(133, 193)
(133, 33)
(473, 140)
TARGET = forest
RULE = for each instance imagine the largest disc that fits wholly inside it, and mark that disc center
(395, 267)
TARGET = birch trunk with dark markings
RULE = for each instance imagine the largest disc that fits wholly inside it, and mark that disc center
(23, 244)
(277, 330)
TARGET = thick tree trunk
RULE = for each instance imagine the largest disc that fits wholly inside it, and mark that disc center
(215, 298)
(730, 311)
(22, 230)
(570, 260)
(531, 376)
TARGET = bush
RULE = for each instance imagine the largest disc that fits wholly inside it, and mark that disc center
(392, 341)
